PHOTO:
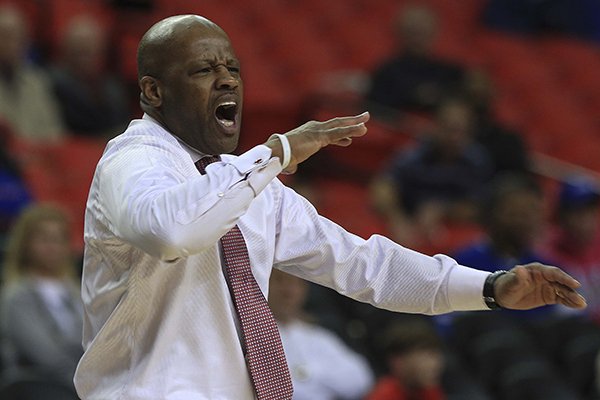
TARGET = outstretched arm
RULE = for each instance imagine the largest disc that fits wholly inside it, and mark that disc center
(535, 285)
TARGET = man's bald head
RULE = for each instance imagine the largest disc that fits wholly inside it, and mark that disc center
(190, 82)
(155, 46)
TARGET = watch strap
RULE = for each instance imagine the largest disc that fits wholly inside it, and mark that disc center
(488, 290)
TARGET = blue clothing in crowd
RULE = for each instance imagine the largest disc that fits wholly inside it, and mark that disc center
(483, 256)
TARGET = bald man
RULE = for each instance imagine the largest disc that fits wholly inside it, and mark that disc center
(169, 228)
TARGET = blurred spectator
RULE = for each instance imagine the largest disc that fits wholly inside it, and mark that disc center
(26, 99)
(512, 215)
(414, 79)
(415, 362)
(435, 182)
(580, 18)
(574, 244)
(92, 102)
(14, 194)
(41, 307)
(505, 147)
(322, 366)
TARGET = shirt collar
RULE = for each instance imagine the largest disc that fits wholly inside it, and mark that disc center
(193, 153)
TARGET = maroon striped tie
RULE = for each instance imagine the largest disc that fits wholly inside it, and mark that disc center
(264, 351)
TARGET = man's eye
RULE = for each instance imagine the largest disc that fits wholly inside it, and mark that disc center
(235, 70)
(204, 70)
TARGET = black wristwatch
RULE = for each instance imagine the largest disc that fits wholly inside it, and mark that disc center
(488, 290)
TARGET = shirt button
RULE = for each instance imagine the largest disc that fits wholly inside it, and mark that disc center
(220, 194)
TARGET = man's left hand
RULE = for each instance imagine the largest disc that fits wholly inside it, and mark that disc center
(535, 285)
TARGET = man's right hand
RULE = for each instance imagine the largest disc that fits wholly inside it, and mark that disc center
(311, 137)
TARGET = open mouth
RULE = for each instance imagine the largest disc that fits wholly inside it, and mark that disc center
(226, 113)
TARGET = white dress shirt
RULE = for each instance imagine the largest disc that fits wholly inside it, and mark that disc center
(159, 319)
(322, 366)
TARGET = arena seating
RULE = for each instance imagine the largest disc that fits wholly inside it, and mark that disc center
(297, 58)
(548, 88)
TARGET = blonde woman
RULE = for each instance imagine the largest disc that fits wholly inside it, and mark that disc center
(41, 307)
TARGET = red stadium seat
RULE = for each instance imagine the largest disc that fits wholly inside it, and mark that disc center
(348, 204)
(62, 173)
(127, 47)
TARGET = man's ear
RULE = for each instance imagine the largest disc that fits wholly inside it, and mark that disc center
(151, 92)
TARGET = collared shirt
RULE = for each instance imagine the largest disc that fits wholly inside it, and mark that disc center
(322, 366)
(36, 336)
(159, 320)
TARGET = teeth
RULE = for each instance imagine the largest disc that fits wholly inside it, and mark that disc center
(225, 113)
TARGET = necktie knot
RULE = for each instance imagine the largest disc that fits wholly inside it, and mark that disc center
(202, 163)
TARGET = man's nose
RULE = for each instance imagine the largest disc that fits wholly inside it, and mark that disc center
(225, 79)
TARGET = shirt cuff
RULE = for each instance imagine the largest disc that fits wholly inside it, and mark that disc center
(465, 289)
(255, 158)
(258, 165)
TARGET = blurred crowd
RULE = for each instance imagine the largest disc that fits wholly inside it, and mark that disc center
(462, 182)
